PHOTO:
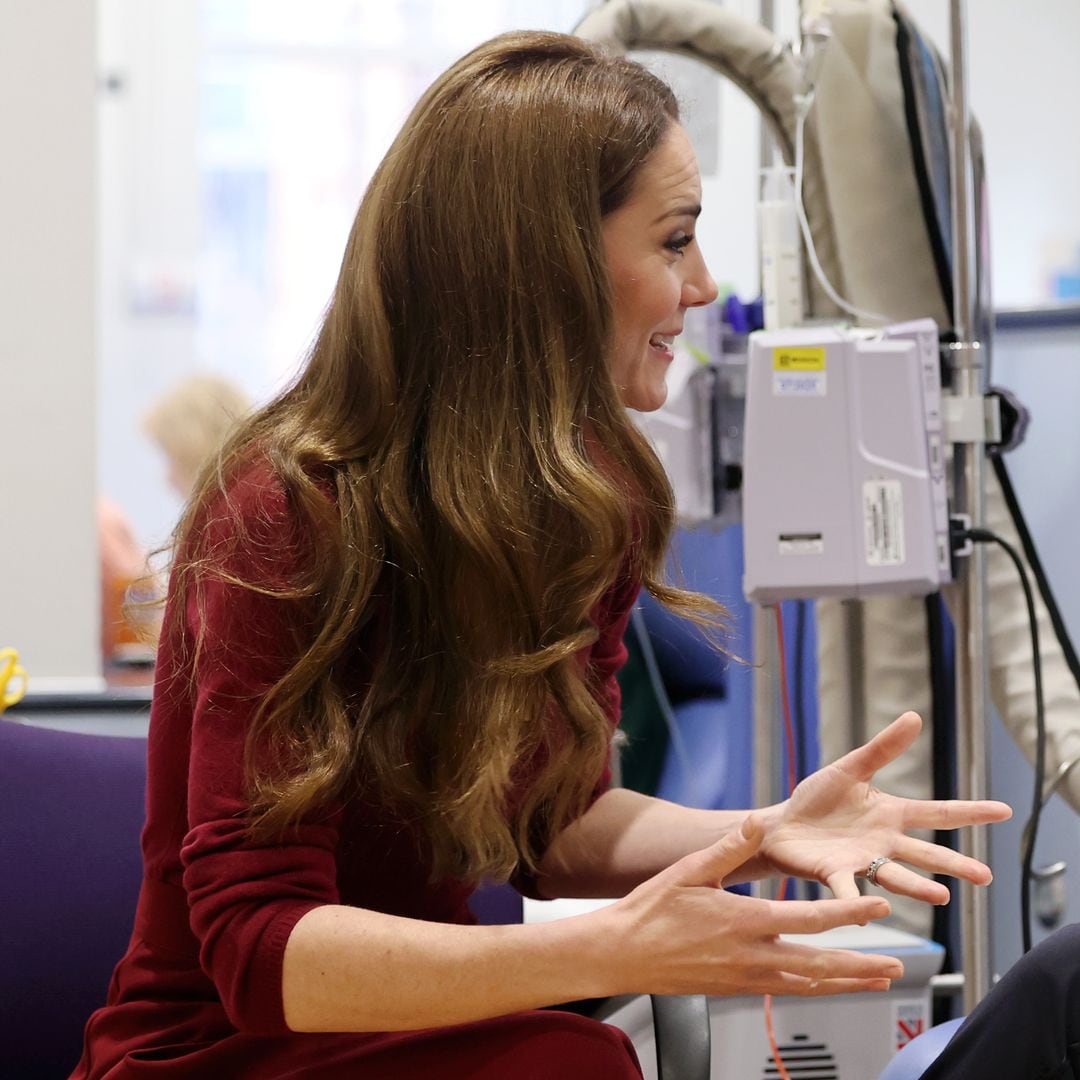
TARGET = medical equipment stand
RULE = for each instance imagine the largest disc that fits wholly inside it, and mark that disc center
(967, 362)
(969, 610)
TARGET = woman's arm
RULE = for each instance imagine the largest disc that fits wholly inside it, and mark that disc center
(346, 969)
(833, 826)
(625, 838)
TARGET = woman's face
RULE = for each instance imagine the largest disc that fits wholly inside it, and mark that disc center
(656, 269)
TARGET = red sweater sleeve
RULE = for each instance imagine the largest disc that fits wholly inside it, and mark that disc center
(245, 897)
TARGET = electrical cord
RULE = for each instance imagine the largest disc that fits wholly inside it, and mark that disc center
(943, 757)
(1050, 788)
(785, 697)
(803, 104)
(811, 890)
(1027, 542)
(801, 734)
(1031, 829)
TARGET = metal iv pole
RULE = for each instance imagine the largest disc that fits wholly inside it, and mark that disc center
(766, 785)
(969, 377)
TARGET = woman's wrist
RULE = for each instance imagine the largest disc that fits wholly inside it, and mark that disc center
(607, 963)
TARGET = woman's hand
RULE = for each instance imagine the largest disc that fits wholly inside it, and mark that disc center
(836, 824)
(681, 933)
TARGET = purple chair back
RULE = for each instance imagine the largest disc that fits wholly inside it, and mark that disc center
(71, 810)
(496, 905)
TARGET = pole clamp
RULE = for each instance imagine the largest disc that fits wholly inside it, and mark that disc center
(971, 419)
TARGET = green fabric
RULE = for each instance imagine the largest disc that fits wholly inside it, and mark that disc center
(642, 759)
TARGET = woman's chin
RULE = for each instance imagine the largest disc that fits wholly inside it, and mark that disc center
(646, 398)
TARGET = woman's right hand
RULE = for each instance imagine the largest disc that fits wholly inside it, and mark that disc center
(681, 933)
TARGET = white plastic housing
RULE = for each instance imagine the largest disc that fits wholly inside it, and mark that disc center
(839, 497)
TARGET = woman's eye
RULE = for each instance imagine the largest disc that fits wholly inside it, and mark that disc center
(678, 243)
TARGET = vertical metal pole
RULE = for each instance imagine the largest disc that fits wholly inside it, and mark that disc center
(766, 146)
(767, 150)
(763, 640)
(971, 668)
(852, 613)
(766, 705)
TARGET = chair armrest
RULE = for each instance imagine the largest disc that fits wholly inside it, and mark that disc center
(683, 1036)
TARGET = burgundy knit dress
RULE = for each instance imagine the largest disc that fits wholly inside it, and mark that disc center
(198, 993)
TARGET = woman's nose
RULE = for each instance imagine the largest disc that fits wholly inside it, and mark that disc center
(699, 288)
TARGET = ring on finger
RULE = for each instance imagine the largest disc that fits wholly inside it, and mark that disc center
(874, 868)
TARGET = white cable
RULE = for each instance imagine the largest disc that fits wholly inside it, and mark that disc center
(803, 102)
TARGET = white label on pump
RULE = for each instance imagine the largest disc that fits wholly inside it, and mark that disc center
(799, 384)
(802, 544)
(883, 520)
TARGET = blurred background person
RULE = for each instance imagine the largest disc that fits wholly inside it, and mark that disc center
(189, 424)
(191, 421)
(123, 562)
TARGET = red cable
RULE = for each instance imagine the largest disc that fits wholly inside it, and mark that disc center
(789, 727)
(770, 1032)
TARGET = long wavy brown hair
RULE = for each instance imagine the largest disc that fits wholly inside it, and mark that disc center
(459, 463)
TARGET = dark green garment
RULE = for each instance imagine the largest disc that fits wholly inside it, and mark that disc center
(642, 759)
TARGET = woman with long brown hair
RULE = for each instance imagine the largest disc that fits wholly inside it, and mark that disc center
(396, 613)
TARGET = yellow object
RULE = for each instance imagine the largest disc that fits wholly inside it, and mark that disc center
(798, 358)
(11, 671)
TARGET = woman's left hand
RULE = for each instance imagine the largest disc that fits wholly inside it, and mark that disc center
(836, 824)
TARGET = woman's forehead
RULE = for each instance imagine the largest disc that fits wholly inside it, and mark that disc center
(669, 182)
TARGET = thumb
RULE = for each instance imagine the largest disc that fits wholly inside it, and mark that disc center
(886, 746)
(712, 864)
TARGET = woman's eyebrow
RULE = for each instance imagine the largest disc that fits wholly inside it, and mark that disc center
(690, 210)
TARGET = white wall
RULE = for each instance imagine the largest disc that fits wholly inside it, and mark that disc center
(48, 556)
(150, 239)
(1025, 92)
(1043, 369)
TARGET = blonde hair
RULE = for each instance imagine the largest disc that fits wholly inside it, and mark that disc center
(487, 484)
(192, 421)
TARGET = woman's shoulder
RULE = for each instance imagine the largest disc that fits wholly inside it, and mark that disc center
(249, 516)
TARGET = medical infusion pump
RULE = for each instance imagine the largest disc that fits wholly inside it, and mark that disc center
(844, 490)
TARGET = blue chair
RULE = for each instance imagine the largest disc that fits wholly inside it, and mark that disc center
(920, 1053)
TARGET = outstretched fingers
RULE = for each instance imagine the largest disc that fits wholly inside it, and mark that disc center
(936, 859)
(953, 813)
(815, 916)
(820, 965)
(886, 746)
(905, 882)
(799, 986)
(842, 885)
